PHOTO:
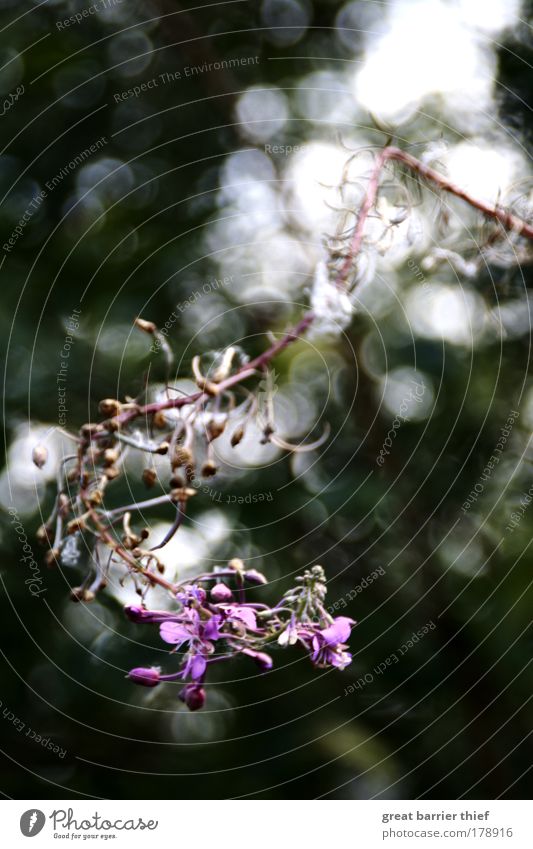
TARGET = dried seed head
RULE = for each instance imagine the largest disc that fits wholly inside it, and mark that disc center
(209, 469)
(236, 564)
(163, 448)
(237, 436)
(111, 473)
(95, 498)
(145, 326)
(176, 482)
(109, 407)
(39, 456)
(149, 477)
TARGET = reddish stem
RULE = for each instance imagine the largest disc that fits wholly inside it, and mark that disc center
(506, 219)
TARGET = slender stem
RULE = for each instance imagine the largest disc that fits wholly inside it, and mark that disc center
(508, 221)
(105, 536)
(139, 505)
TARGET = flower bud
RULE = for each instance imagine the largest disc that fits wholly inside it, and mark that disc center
(145, 676)
(255, 577)
(193, 696)
(221, 593)
(39, 456)
(136, 614)
(263, 660)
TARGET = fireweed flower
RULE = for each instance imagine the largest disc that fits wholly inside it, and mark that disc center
(210, 627)
(146, 677)
(329, 644)
(200, 636)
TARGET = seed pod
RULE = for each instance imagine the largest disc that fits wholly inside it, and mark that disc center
(149, 477)
(209, 469)
(215, 429)
(176, 482)
(159, 420)
(237, 436)
(51, 557)
(163, 448)
(95, 498)
(109, 407)
(43, 536)
(111, 473)
(182, 457)
(39, 455)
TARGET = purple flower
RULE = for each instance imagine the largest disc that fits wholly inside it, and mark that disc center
(329, 644)
(146, 677)
(192, 595)
(198, 633)
(221, 593)
(240, 615)
(289, 635)
(193, 695)
(138, 614)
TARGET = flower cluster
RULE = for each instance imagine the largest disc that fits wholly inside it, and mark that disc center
(213, 622)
